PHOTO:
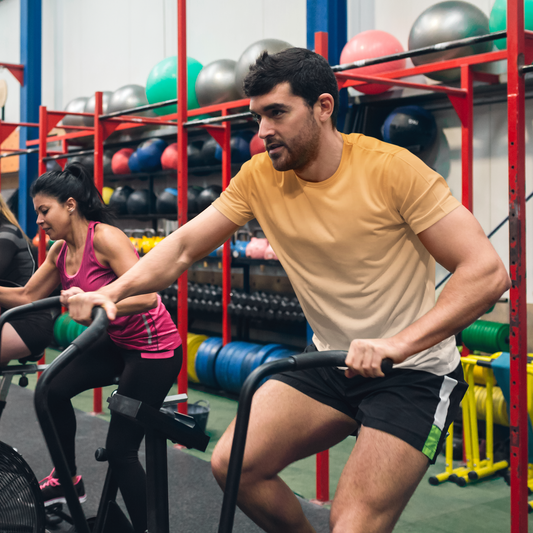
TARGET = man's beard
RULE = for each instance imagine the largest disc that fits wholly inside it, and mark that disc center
(301, 152)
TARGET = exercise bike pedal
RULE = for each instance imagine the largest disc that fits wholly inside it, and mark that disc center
(54, 514)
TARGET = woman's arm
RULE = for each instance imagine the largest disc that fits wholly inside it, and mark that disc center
(39, 286)
(114, 250)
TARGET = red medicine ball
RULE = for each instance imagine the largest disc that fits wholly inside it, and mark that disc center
(169, 157)
(257, 145)
(119, 162)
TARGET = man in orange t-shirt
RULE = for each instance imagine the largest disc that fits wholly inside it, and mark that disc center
(358, 225)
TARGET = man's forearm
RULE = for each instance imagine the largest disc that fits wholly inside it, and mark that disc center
(464, 299)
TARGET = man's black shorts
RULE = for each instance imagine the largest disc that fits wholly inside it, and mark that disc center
(413, 405)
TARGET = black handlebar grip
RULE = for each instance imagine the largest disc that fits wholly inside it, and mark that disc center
(329, 358)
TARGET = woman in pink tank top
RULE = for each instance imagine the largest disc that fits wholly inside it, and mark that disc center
(142, 346)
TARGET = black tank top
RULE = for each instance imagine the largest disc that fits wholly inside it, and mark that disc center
(17, 266)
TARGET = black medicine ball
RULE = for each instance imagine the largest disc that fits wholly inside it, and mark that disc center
(119, 198)
(411, 127)
(140, 202)
(208, 196)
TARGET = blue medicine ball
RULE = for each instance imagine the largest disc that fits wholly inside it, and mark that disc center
(240, 149)
(149, 154)
(411, 127)
(133, 162)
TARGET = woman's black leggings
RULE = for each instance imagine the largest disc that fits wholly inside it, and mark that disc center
(147, 380)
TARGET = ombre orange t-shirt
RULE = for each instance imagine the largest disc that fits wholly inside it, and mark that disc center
(349, 244)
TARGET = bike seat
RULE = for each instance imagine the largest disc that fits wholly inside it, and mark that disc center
(178, 428)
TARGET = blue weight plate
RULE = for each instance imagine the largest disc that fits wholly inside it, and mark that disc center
(205, 361)
(222, 363)
(235, 365)
(250, 364)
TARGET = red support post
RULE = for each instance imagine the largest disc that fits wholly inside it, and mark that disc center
(183, 318)
(517, 261)
(467, 138)
(322, 458)
(99, 183)
(226, 253)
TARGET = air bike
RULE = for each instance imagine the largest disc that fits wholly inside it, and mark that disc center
(296, 362)
(21, 505)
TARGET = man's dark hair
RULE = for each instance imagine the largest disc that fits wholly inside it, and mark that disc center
(308, 74)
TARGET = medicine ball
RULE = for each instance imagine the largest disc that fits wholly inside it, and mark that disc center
(53, 165)
(119, 161)
(167, 202)
(411, 127)
(119, 199)
(208, 196)
(240, 150)
(208, 153)
(149, 154)
(192, 197)
(133, 163)
(108, 158)
(140, 202)
(107, 192)
(257, 145)
(194, 153)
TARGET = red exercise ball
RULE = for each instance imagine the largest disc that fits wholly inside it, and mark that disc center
(169, 157)
(369, 44)
(119, 162)
(257, 145)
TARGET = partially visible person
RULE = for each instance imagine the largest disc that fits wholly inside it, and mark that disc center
(27, 336)
(142, 346)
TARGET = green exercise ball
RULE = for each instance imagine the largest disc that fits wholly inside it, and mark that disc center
(161, 84)
(61, 337)
(498, 19)
(448, 21)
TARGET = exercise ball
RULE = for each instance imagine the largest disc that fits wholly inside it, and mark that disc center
(107, 192)
(128, 97)
(240, 150)
(368, 45)
(75, 106)
(89, 107)
(140, 202)
(119, 199)
(161, 84)
(207, 197)
(149, 154)
(250, 55)
(194, 153)
(169, 157)
(167, 202)
(448, 21)
(215, 83)
(257, 145)
(119, 162)
(498, 19)
(208, 152)
(411, 127)
(133, 163)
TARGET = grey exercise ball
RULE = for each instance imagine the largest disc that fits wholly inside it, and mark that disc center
(89, 107)
(128, 97)
(250, 55)
(448, 21)
(75, 106)
(216, 83)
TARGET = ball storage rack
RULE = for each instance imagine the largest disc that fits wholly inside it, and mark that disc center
(519, 55)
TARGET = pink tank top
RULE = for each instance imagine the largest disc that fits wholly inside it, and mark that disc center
(153, 331)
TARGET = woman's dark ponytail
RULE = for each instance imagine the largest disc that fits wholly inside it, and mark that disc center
(74, 182)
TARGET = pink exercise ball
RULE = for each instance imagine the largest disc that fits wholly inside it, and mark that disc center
(257, 145)
(368, 45)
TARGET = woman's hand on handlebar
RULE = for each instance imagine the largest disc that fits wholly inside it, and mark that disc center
(65, 295)
(81, 306)
(365, 356)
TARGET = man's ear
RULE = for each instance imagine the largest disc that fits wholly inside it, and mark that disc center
(326, 104)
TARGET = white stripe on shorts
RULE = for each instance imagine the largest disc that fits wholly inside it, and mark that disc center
(446, 389)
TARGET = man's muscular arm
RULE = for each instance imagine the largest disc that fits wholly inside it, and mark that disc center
(458, 243)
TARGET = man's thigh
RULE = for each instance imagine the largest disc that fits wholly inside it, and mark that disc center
(377, 482)
(286, 425)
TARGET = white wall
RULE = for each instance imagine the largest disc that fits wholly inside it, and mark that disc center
(10, 53)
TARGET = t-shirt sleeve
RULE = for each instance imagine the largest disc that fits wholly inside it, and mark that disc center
(8, 249)
(421, 196)
(234, 202)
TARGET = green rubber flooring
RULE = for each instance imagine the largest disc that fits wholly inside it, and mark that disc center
(480, 507)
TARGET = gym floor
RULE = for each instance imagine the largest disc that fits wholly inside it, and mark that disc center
(482, 506)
